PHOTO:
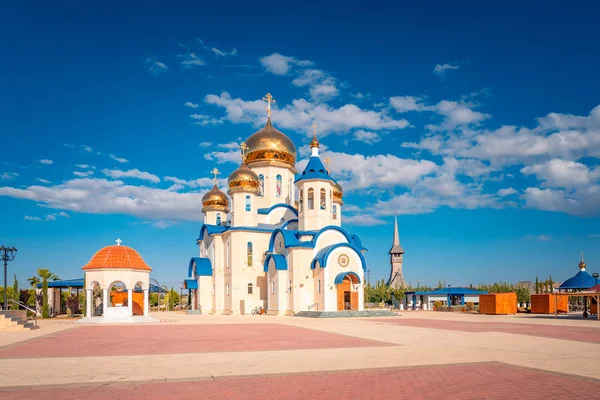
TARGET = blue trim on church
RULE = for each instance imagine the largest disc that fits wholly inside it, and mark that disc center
(203, 267)
(190, 284)
(324, 253)
(280, 262)
(351, 238)
(266, 211)
(340, 277)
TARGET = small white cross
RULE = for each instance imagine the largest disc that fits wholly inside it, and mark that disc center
(118, 242)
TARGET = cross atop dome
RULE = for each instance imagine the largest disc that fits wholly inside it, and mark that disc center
(243, 147)
(118, 241)
(215, 172)
(269, 99)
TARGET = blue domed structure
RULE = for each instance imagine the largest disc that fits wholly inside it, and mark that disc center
(581, 281)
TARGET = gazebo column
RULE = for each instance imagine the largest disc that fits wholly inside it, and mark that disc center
(146, 302)
(104, 302)
(88, 303)
(130, 302)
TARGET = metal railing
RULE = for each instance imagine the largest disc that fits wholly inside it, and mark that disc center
(27, 308)
(313, 306)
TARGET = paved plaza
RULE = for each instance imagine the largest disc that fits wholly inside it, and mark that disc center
(419, 355)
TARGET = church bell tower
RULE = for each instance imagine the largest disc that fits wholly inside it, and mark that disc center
(396, 258)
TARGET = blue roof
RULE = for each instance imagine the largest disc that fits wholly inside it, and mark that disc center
(218, 229)
(292, 237)
(203, 267)
(280, 262)
(451, 291)
(314, 170)
(190, 284)
(340, 277)
(268, 210)
(322, 255)
(582, 280)
(75, 283)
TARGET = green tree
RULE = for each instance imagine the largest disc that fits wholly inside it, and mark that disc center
(34, 281)
(523, 295)
(16, 294)
(551, 284)
(45, 274)
(171, 299)
(537, 285)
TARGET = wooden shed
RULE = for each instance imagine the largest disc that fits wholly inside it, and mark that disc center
(547, 303)
(498, 303)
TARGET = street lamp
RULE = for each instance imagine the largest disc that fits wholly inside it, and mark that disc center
(596, 275)
(7, 254)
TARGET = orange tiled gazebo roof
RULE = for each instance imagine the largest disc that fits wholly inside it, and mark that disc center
(117, 257)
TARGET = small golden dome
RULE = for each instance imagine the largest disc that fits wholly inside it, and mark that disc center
(271, 145)
(215, 200)
(243, 179)
(582, 265)
(338, 193)
(314, 142)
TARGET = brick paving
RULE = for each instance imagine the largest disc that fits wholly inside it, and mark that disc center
(467, 381)
(177, 339)
(578, 334)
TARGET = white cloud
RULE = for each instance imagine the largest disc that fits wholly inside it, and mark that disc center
(154, 66)
(202, 119)
(82, 166)
(42, 180)
(205, 144)
(457, 114)
(441, 69)
(301, 114)
(280, 65)
(132, 173)
(409, 103)
(507, 192)
(46, 161)
(190, 104)
(367, 137)
(101, 196)
(86, 148)
(49, 217)
(9, 175)
(323, 91)
(222, 53)
(191, 60)
(83, 174)
(196, 183)
(584, 201)
(561, 173)
(119, 159)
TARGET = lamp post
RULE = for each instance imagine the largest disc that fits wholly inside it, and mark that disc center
(7, 254)
(596, 275)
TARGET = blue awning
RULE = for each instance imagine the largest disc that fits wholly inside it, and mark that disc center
(340, 277)
(203, 267)
(190, 284)
(64, 284)
(280, 262)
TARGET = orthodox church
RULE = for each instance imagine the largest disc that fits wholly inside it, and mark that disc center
(277, 240)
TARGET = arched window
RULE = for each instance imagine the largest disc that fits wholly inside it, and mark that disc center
(249, 253)
(272, 287)
(278, 186)
(249, 288)
(323, 200)
(227, 289)
(218, 218)
(261, 187)
(319, 286)
(311, 199)
(227, 257)
(334, 211)
(301, 200)
(248, 206)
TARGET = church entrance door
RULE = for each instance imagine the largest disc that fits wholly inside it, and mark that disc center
(347, 299)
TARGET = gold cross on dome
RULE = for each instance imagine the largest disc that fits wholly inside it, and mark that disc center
(269, 99)
(215, 172)
(327, 162)
(582, 256)
(314, 126)
(243, 147)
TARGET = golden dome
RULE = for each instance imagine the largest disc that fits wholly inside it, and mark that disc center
(215, 200)
(314, 142)
(338, 193)
(270, 145)
(582, 265)
(243, 179)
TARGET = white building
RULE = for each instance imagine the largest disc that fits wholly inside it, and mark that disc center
(277, 241)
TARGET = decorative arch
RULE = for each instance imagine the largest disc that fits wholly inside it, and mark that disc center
(311, 199)
(323, 255)
(218, 218)
(323, 199)
(353, 276)
(335, 228)
(280, 262)
(261, 186)
(278, 184)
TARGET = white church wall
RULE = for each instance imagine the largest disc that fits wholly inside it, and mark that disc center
(319, 286)
(328, 238)
(334, 268)
(270, 173)
(302, 279)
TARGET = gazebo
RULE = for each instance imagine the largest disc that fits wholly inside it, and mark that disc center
(579, 285)
(110, 268)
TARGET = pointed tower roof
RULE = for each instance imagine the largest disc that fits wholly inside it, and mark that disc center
(396, 248)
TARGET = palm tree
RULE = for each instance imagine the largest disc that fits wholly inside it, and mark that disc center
(34, 281)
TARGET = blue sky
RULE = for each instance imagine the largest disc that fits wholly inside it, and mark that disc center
(478, 124)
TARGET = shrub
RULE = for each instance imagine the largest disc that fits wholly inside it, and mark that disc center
(73, 304)
(470, 306)
(437, 304)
